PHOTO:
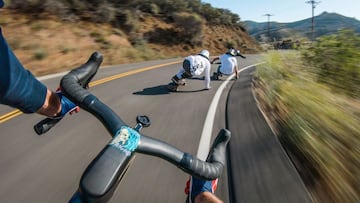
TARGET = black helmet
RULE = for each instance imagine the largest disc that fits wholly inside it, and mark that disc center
(232, 52)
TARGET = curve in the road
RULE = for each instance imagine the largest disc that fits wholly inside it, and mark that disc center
(204, 144)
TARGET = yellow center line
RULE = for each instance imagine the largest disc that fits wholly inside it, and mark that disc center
(10, 115)
(17, 112)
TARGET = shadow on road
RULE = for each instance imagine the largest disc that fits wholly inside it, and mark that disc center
(162, 89)
(157, 90)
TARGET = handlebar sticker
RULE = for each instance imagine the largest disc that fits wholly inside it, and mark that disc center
(126, 139)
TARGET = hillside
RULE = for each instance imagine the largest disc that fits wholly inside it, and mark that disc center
(48, 43)
(325, 23)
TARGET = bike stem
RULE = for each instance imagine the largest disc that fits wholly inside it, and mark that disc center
(138, 127)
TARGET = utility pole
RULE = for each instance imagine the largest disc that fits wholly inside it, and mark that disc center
(268, 24)
(313, 5)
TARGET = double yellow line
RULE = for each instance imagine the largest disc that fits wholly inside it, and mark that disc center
(10, 115)
(17, 112)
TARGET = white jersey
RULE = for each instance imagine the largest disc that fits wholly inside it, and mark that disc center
(228, 64)
(198, 64)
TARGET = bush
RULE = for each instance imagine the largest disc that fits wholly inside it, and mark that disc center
(168, 7)
(336, 61)
(66, 50)
(57, 8)
(40, 54)
(210, 14)
(110, 10)
(191, 26)
(149, 7)
(104, 13)
(27, 6)
(127, 20)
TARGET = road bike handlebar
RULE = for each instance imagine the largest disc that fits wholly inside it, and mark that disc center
(104, 172)
(91, 65)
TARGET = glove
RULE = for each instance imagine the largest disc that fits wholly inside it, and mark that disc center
(195, 186)
(67, 106)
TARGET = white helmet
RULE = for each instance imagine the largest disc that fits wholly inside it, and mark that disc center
(205, 53)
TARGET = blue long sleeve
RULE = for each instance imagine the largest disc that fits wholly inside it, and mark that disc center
(18, 86)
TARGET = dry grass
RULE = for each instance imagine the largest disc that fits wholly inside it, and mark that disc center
(49, 45)
(63, 46)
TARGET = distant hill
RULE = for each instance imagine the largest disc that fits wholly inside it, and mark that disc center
(325, 23)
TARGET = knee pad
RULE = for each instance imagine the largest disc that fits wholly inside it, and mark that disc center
(186, 67)
(186, 75)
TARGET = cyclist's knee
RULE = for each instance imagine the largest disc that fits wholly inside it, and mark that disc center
(186, 75)
(186, 67)
(218, 69)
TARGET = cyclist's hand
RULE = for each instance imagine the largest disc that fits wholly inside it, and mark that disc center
(195, 186)
(67, 106)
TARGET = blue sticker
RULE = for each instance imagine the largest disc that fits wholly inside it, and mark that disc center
(126, 139)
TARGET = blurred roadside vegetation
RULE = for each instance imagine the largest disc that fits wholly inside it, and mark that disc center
(312, 98)
(336, 62)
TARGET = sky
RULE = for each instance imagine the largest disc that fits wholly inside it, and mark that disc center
(285, 11)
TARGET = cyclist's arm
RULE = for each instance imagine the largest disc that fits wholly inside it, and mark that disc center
(51, 106)
(214, 59)
(18, 87)
(236, 69)
(207, 75)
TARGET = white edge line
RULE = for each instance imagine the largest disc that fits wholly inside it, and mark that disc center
(204, 144)
(46, 77)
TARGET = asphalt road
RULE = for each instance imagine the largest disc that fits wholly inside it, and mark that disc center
(48, 168)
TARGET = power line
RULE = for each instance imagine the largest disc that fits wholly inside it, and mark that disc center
(268, 23)
(313, 5)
